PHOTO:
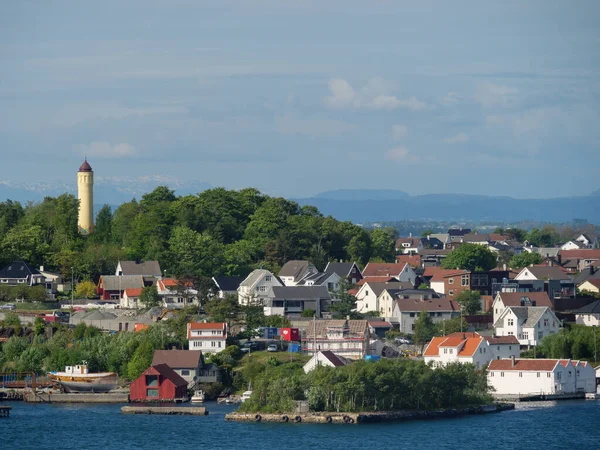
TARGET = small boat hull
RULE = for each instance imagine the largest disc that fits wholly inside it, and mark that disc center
(101, 382)
(79, 386)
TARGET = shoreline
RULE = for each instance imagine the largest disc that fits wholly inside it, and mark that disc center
(368, 417)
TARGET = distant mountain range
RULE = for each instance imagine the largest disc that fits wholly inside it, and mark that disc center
(356, 205)
(385, 206)
(109, 190)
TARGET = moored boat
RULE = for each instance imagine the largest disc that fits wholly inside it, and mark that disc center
(198, 396)
(79, 379)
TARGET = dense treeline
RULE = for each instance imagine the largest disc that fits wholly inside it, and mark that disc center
(217, 232)
(387, 385)
(573, 341)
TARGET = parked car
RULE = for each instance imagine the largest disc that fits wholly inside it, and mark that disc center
(272, 348)
(252, 346)
(403, 340)
(8, 306)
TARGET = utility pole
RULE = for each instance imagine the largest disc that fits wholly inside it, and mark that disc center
(72, 286)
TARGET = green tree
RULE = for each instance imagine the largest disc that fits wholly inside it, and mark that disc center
(345, 305)
(525, 259)
(11, 319)
(470, 301)
(423, 286)
(427, 232)
(382, 245)
(103, 228)
(308, 313)
(149, 296)
(472, 257)
(546, 237)
(141, 360)
(85, 289)
(424, 329)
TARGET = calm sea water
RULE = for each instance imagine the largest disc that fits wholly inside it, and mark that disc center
(551, 425)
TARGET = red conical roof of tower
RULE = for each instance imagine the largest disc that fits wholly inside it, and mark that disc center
(85, 167)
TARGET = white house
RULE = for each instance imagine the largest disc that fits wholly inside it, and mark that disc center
(528, 324)
(324, 358)
(506, 299)
(176, 295)
(131, 298)
(387, 298)
(469, 348)
(402, 271)
(207, 337)
(589, 315)
(369, 292)
(256, 286)
(540, 376)
(572, 245)
(330, 280)
(590, 285)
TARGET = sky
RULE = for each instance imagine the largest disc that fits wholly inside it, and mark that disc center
(296, 98)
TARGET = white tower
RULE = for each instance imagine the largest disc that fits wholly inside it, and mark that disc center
(85, 193)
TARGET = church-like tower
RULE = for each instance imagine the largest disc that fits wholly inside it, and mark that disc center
(85, 194)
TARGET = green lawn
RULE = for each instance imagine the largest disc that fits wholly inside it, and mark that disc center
(262, 356)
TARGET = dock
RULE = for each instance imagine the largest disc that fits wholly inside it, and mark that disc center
(5, 410)
(61, 397)
(367, 417)
(166, 410)
(539, 397)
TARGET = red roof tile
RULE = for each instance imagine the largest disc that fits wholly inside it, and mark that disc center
(413, 260)
(524, 365)
(133, 292)
(580, 254)
(440, 275)
(383, 269)
(207, 325)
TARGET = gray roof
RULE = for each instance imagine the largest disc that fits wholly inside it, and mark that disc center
(548, 273)
(548, 251)
(317, 278)
(443, 237)
(587, 274)
(254, 277)
(592, 308)
(341, 268)
(145, 268)
(98, 315)
(300, 292)
(294, 268)
(18, 269)
(352, 328)
(378, 288)
(178, 359)
(528, 316)
(116, 283)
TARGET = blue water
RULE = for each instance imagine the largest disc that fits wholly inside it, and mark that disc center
(551, 425)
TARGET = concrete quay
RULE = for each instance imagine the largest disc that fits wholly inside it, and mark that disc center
(368, 417)
(166, 410)
(60, 397)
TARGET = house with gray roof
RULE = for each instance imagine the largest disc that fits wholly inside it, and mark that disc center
(143, 268)
(330, 280)
(186, 363)
(589, 315)
(293, 300)
(111, 287)
(406, 311)
(348, 270)
(293, 271)
(20, 273)
(530, 324)
(255, 288)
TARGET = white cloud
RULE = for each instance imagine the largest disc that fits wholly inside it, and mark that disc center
(459, 138)
(451, 98)
(399, 131)
(374, 95)
(106, 150)
(400, 153)
(489, 94)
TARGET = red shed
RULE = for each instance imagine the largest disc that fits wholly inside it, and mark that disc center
(158, 383)
(290, 334)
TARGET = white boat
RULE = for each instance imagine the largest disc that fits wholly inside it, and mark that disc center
(246, 395)
(79, 379)
(198, 396)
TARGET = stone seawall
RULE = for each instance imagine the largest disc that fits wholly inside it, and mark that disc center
(166, 410)
(368, 417)
(59, 397)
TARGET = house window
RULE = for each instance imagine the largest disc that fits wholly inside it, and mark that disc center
(450, 280)
(558, 375)
(185, 372)
(445, 351)
(151, 392)
(450, 292)
(501, 374)
(510, 347)
(498, 348)
(451, 351)
(546, 321)
(268, 278)
(213, 344)
(126, 326)
(464, 280)
(511, 322)
(520, 374)
(538, 374)
(152, 380)
(491, 374)
(262, 288)
(412, 314)
(219, 344)
(412, 327)
(540, 335)
(548, 375)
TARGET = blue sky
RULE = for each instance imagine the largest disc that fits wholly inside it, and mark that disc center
(295, 98)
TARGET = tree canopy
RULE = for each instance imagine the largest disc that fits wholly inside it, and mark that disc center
(525, 259)
(472, 257)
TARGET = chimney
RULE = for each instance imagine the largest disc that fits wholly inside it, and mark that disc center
(409, 235)
(504, 267)
(41, 268)
(550, 262)
(512, 362)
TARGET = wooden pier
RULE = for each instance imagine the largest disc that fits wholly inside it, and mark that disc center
(5, 410)
(367, 417)
(166, 410)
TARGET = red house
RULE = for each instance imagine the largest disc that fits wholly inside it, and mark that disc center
(158, 383)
